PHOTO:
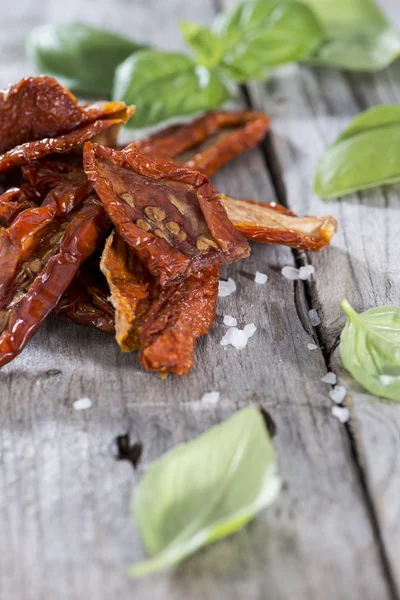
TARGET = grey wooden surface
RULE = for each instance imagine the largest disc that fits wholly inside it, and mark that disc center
(65, 527)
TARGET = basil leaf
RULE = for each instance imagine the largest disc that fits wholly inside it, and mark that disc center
(204, 490)
(260, 34)
(359, 36)
(370, 349)
(163, 85)
(206, 45)
(83, 58)
(365, 155)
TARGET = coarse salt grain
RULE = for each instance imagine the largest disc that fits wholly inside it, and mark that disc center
(290, 273)
(341, 412)
(210, 398)
(312, 346)
(338, 394)
(226, 288)
(314, 317)
(329, 378)
(306, 272)
(230, 321)
(238, 338)
(82, 404)
(260, 277)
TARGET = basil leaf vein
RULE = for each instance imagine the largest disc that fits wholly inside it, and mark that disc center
(204, 490)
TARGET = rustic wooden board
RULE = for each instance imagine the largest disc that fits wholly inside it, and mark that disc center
(309, 107)
(66, 530)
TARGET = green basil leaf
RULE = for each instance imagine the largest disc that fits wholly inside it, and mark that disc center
(163, 85)
(83, 58)
(370, 349)
(365, 155)
(260, 34)
(206, 45)
(359, 36)
(204, 490)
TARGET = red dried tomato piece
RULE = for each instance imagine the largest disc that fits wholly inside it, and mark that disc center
(12, 203)
(209, 142)
(85, 302)
(171, 216)
(274, 224)
(30, 151)
(40, 107)
(176, 319)
(42, 255)
(129, 285)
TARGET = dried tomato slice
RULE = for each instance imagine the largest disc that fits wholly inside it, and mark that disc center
(30, 151)
(274, 224)
(176, 319)
(12, 203)
(41, 269)
(85, 302)
(209, 142)
(40, 107)
(129, 285)
(171, 216)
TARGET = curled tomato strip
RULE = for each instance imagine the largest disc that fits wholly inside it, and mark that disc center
(274, 224)
(210, 142)
(40, 107)
(129, 285)
(12, 203)
(47, 271)
(85, 302)
(171, 216)
(177, 318)
(30, 151)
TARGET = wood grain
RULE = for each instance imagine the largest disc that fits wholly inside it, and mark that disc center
(66, 530)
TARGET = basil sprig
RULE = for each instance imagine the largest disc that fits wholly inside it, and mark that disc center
(163, 85)
(83, 58)
(243, 43)
(365, 155)
(358, 36)
(205, 490)
(370, 349)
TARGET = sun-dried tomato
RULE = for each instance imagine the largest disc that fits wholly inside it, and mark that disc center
(177, 318)
(40, 107)
(12, 203)
(129, 285)
(171, 216)
(85, 302)
(41, 254)
(274, 224)
(30, 151)
(209, 142)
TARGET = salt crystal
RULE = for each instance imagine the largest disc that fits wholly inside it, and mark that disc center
(312, 346)
(338, 394)
(210, 398)
(330, 378)
(342, 413)
(387, 379)
(82, 404)
(260, 277)
(230, 321)
(226, 288)
(290, 273)
(250, 329)
(306, 272)
(314, 317)
(238, 338)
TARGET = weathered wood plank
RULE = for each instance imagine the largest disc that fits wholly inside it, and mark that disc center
(66, 530)
(309, 107)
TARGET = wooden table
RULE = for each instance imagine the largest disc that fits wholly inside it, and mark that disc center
(334, 534)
